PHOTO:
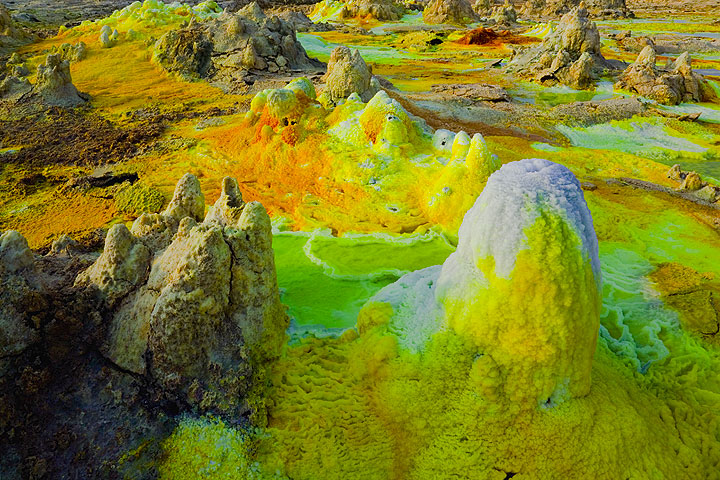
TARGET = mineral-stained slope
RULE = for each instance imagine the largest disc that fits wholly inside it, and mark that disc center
(452, 164)
(496, 352)
(449, 310)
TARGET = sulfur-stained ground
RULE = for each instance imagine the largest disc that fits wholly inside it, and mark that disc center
(660, 251)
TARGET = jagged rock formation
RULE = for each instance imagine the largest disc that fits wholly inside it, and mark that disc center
(675, 84)
(10, 35)
(504, 14)
(54, 83)
(232, 47)
(458, 12)
(302, 23)
(122, 266)
(483, 8)
(347, 73)
(187, 51)
(192, 296)
(692, 182)
(157, 230)
(177, 317)
(57, 396)
(557, 8)
(568, 55)
(383, 10)
(524, 279)
(53, 87)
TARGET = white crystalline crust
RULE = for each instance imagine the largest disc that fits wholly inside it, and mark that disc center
(416, 314)
(510, 203)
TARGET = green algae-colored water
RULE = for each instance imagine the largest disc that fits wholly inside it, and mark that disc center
(319, 48)
(325, 280)
(377, 256)
(552, 96)
(644, 138)
(634, 322)
(632, 318)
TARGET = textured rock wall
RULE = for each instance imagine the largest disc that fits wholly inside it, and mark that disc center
(192, 297)
(186, 303)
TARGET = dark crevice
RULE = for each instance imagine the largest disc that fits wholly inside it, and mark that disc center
(110, 364)
(233, 259)
(507, 474)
